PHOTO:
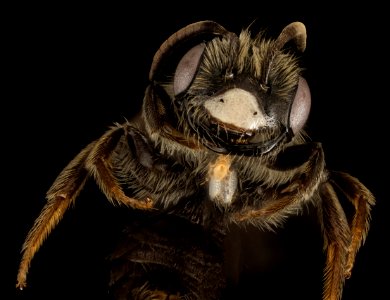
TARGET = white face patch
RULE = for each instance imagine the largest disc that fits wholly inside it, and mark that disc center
(236, 107)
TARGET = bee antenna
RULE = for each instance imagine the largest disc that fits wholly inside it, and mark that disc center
(294, 31)
(186, 33)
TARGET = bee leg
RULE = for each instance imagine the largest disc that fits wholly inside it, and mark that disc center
(301, 188)
(59, 197)
(337, 237)
(362, 200)
(93, 159)
(98, 164)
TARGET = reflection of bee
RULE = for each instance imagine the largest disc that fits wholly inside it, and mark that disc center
(219, 140)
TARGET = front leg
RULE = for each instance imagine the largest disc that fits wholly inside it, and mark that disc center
(99, 165)
(94, 159)
(304, 164)
(362, 200)
(337, 238)
(59, 197)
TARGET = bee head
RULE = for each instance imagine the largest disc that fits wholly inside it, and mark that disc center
(236, 93)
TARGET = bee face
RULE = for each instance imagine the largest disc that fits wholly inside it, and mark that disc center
(240, 94)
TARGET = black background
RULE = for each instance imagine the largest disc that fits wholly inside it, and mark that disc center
(73, 71)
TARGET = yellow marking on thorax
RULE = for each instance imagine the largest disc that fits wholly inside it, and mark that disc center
(221, 168)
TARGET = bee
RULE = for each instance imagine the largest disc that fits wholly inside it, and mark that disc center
(220, 139)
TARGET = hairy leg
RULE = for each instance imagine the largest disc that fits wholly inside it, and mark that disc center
(59, 197)
(307, 176)
(93, 159)
(362, 200)
(337, 237)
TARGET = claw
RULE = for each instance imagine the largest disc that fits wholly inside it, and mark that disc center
(21, 285)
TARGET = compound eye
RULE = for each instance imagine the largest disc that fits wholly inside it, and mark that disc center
(186, 69)
(300, 108)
